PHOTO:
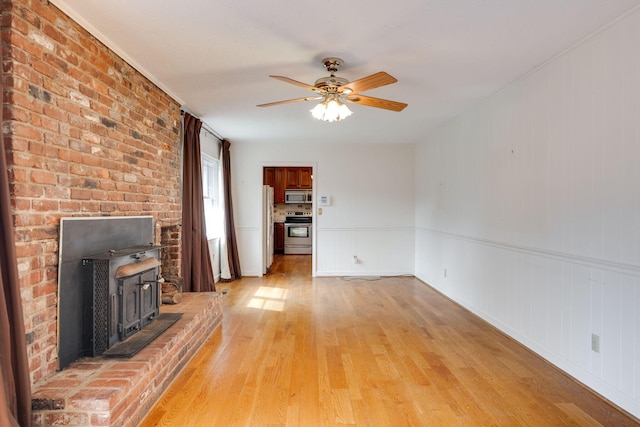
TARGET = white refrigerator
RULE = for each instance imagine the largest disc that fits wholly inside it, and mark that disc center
(267, 227)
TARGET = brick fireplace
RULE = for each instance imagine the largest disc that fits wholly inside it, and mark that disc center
(106, 391)
(86, 135)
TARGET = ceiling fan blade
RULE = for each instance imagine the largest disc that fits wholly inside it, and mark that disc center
(371, 82)
(376, 102)
(294, 82)
(307, 98)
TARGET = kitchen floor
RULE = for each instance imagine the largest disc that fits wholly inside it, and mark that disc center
(294, 265)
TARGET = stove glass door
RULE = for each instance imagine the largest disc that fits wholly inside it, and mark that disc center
(298, 231)
(297, 238)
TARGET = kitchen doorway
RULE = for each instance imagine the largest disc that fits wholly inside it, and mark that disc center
(289, 225)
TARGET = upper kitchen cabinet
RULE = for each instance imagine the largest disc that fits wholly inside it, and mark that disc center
(299, 178)
(305, 177)
(269, 177)
(282, 178)
(275, 177)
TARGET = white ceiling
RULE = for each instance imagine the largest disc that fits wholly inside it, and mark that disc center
(214, 56)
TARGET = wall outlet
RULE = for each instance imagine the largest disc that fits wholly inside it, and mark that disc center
(445, 272)
(595, 343)
(355, 259)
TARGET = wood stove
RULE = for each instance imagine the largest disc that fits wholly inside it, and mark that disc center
(121, 298)
(92, 249)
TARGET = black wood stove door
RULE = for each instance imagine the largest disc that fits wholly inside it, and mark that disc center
(150, 297)
(139, 302)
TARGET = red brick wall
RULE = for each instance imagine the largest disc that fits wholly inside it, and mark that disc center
(86, 135)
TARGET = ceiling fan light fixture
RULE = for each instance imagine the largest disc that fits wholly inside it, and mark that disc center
(334, 91)
(331, 110)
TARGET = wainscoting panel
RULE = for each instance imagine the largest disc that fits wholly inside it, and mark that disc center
(551, 303)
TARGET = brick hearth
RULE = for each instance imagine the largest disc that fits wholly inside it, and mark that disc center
(104, 391)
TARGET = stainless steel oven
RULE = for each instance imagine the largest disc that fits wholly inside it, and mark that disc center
(297, 234)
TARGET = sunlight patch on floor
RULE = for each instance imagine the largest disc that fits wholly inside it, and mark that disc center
(268, 298)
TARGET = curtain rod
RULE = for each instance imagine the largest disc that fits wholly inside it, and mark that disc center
(204, 125)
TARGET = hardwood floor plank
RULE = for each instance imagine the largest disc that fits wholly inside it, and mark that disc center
(341, 407)
(353, 382)
(577, 415)
(299, 351)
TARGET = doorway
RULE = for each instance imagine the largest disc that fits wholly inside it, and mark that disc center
(293, 203)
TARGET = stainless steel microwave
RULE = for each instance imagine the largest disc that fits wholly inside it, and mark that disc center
(298, 196)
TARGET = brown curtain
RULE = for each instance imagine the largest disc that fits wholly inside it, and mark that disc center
(196, 261)
(230, 229)
(15, 394)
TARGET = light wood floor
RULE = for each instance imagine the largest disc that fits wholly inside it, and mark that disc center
(297, 351)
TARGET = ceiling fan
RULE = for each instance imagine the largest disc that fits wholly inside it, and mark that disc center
(334, 90)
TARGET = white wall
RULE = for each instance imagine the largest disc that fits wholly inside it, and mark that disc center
(531, 205)
(372, 212)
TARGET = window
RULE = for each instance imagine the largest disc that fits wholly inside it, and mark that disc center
(211, 194)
